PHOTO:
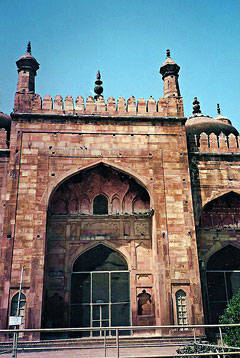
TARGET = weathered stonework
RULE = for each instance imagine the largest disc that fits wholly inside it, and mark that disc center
(156, 181)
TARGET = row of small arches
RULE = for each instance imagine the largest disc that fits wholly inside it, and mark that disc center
(100, 206)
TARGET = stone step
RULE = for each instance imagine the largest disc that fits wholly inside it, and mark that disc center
(99, 341)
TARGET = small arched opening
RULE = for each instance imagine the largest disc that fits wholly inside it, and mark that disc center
(100, 205)
(181, 308)
(18, 307)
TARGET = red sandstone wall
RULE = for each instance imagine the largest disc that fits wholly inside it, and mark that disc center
(44, 152)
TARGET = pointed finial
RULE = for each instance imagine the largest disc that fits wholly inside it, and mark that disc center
(196, 106)
(218, 108)
(168, 52)
(98, 89)
(29, 47)
(98, 75)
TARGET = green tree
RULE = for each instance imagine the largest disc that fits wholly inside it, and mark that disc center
(232, 315)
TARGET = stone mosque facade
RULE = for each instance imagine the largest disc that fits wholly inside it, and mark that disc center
(122, 212)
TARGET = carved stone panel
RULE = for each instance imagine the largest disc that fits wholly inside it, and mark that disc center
(100, 228)
(56, 230)
(141, 228)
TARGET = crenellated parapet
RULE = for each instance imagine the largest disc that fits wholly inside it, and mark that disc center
(33, 103)
(213, 143)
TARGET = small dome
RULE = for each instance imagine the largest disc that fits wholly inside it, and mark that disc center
(169, 67)
(27, 61)
(199, 123)
(221, 117)
(5, 120)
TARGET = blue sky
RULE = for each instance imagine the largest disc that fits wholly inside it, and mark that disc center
(127, 41)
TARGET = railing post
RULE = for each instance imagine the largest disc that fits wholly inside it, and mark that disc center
(194, 333)
(117, 342)
(105, 343)
(221, 336)
(15, 345)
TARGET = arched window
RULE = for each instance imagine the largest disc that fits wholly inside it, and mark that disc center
(22, 306)
(100, 205)
(181, 304)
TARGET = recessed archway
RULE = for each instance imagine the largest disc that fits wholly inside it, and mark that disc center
(97, 205)
(223, 279)
(224, 211)
(217, 236)
(83, 189)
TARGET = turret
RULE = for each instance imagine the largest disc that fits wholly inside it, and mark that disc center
(169, 71)
(27, 70)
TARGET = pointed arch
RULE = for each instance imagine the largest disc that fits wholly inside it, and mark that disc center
(225, 258)
(85, 205)
(216, 196)
(223, 211)
(115, 205)
(100, 257)
(59, 180)
(100, 289)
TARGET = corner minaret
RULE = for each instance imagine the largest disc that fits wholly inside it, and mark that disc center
(27, 70)
(169, 71)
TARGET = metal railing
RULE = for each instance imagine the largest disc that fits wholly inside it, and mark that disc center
(190, 330)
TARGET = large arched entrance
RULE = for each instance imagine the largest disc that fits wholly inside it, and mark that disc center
(100, 294)
(218, 236)
(89, 214)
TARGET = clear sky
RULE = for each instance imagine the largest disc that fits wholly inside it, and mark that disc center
(127, 41)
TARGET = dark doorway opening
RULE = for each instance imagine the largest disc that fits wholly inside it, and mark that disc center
(223, 279)
(100, 291)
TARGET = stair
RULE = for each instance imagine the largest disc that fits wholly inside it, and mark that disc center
(97, 342)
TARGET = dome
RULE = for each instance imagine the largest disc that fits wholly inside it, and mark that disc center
(169, 67)
(27, 61)
(199, 123)
(5, 120)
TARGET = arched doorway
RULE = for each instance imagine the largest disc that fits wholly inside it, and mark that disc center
(100, 289)
(218, 232)
(223, 279)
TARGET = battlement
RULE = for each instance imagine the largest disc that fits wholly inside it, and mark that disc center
(214, 143)
(33, 103)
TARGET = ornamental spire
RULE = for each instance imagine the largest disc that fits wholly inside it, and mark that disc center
(29, 50)
(196, 106)
(218, 108)
(168, 52)
(98, 89)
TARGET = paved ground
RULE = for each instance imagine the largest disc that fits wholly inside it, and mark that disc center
(97, 352)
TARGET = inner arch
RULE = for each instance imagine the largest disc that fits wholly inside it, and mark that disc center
(100, 258)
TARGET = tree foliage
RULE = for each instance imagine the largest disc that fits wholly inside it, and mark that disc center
(232, 315)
